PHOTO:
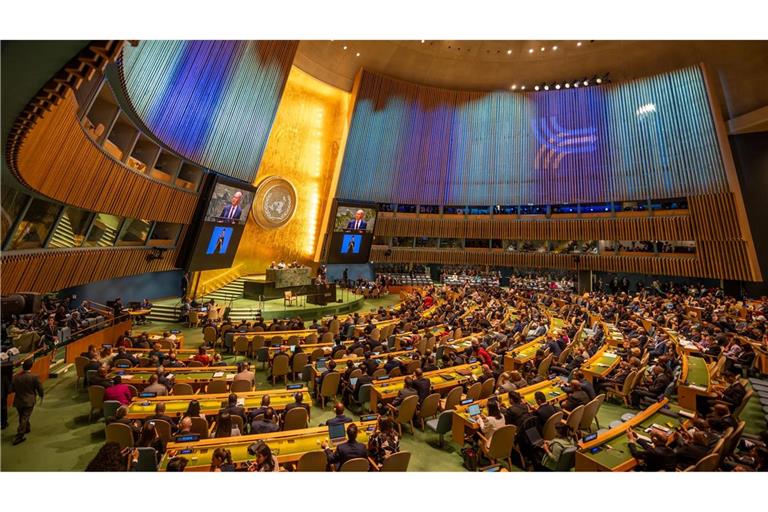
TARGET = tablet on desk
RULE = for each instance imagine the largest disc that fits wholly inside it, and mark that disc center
(474, 410)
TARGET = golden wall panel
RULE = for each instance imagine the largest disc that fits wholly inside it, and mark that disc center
(304, 147)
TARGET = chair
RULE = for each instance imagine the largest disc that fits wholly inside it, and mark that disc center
(147, 460)
(452, 399)
(80, 364)
(543, 370)
(487, 388)
(133, 390)
(310, 339)
(290, 299)
(295, 419)
(217, 387)
(395, 372)
(120, 434)
(167, 344)
(356, 373)
(240, 386)
(194, 364)
(567, 459)
(708, 463)
(358, 464)
(730, 444)
(500, 445)
(590, 412)
(96, 397)
(257, 342)
(339, 353)
(330, 387)
(300, 360)
(364, 396)
(396, 462)
(474, 391)
(210, 336)
(574, 418)
(237, 422)
(163, 429)
(280, 367)
(359, 352)
(327, 337)
(429, 408)
(193, 319)
(109, 408)
(200, 426)
(379, 372)
(316, 354)
(740, 408)
(626, 388)
(406, 412)
(274, 341)
(262, 356)
(442, 425)
(182, 388)
(312, 461)
(548, 433)
(242, 345)
(292, 340)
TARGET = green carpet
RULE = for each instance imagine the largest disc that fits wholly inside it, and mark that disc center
(62, 439)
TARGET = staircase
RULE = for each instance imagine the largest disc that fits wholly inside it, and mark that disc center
(63, 236)
(164, 313)
(230, 291)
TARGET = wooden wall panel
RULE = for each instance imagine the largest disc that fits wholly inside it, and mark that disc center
(51, 270)
(60, 161)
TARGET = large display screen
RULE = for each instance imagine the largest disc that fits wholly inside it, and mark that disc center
(352, 233)
(226, 212)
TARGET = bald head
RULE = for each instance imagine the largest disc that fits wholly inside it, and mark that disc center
(339, 408)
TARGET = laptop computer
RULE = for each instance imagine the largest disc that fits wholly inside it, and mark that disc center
(321, 363)
(353, 381)
(337, 434)
(474, 410)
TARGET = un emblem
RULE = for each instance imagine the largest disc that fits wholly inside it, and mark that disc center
(275, 202)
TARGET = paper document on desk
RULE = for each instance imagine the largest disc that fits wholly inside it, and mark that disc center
(241, 402)
(126, 377)
(230, 376)
(218, 374)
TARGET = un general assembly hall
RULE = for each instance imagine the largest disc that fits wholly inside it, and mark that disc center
(315, 255)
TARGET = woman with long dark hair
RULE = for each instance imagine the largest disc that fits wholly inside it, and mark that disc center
(110, 457)
(264, 460)
(221, 460)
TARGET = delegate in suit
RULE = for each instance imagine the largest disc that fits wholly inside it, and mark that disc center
(26, 387)
(358, 224)
(231, 212)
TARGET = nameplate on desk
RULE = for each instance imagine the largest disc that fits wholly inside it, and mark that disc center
(147, 394)
(189, 438)
(294, 386)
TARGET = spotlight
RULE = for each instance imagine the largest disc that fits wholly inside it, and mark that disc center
(557, 86)
(509, 52)
(554, 48)
(422, 41)
(578, 44)
(576, 84)
(546, 87)
(530, 50)
(542, 48)
(345, 47)
(567, 85)
(357, 54)
(586, 82)
(536, 88)
(514, 86)
(522, 88)
(599, 80)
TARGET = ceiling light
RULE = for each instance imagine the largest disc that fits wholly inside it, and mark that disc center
(599, 80)
(546, 87)
(509, 52)
(554, 48)
(586, 82)
(357, 54)
(557, 86)
(345, 47)
(575, 84)
(536, 88)
(542, 48)
(530, 50)
(422, 41)
(567, 85)
(522, 88)
(514, 86)
(578, 44)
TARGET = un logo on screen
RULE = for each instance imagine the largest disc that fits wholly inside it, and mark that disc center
(275, 202)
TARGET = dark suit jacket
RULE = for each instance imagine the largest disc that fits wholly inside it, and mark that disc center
(543, 413)
(347, 451)
(235, 410)
(422, 386)
(338, 420)
(26, 387)
(263, 427)
(656, 458)
(171, 421)
(514, 414)
(226, 211)
(351, 224)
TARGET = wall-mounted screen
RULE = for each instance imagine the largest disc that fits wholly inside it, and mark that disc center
(352, 234)
(228, 204)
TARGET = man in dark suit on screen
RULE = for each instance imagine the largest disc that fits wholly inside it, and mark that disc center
(358, 224)
(26, 386)
(231, 212)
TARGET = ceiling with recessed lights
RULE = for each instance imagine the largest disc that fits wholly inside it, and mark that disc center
(742, 66)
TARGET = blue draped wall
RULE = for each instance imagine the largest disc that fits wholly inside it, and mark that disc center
(648, 138)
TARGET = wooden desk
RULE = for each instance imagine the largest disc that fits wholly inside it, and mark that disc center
(613, 336)
(387, 390)
(195, 376)
(614, 454)
(601, 364)
(402, 356)
(552, 389)
(157, 337)
(694, 381)
(210, 404)
(518, 356)
(287, 447)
